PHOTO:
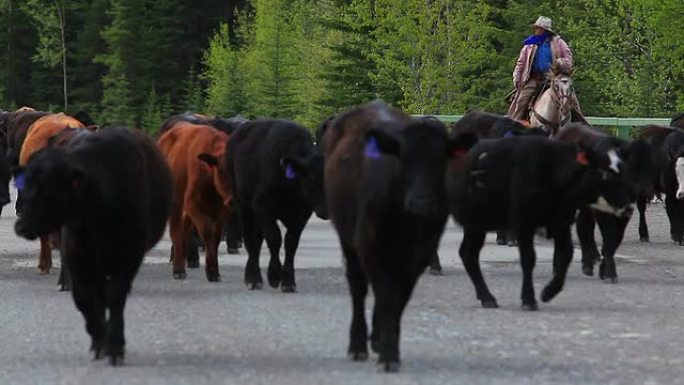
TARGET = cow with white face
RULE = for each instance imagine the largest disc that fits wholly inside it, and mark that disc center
(626, 173)
(673, 180)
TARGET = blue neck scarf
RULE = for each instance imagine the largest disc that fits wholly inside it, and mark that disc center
(534, 39)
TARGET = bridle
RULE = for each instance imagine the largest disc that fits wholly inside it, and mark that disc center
(561, 100)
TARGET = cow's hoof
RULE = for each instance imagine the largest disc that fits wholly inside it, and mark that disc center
(213, 277)
(179, 275)
(288, 288)
(43, 270)
(233, 250)
(602, 271)
(549, 293)
(490, 304)
(389, 366)
(63, 287)
(358, 356)
(588, 270)
(274, 274)
(116, 359)
(644, 239)
(193, 264)
(96, 351)
(254, 285)
(611, 279)
(530, 306)
(435, 271)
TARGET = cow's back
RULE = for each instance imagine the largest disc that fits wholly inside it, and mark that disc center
(134, 184)
(41, 130)
(500, 178)
(255, 151)
(180, 146)
(18, 124)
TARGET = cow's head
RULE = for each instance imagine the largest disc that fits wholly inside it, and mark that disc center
(219, 172)
(423, 150)
(608, 178)
(308, 174)
(52, 188)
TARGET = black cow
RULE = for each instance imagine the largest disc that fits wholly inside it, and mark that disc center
(486, 125)
(277, 176)
(384, 184)
(673, 181)
(17, 124)
(661, 158)
(111, 195)
(634, 167)
(524, 184)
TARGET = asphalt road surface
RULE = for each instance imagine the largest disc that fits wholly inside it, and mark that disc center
(195, 332)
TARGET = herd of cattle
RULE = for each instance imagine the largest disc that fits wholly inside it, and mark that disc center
(388, 183)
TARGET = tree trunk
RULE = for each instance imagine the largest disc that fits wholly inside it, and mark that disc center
(62, 23)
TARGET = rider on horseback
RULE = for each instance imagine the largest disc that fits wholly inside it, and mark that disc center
(540, 50)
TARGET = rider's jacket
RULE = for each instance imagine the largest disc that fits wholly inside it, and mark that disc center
(523, 68)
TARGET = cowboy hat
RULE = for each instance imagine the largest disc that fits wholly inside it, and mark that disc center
(544, 23)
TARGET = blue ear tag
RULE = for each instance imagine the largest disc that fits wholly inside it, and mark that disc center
(372, 151)
(508, 134)
(290, 172)
(19, 181)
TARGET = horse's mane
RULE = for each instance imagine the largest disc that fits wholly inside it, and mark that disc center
(558, 68)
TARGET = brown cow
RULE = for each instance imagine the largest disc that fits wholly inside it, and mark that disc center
(37, 138)
(203, 193)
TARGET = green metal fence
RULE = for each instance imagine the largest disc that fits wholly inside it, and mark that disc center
(623, 125)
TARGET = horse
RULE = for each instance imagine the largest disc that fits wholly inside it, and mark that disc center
(553, 108)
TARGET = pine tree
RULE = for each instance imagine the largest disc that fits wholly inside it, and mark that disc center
(193, 98)
(121, 87)
(151, 116)
(224, 75)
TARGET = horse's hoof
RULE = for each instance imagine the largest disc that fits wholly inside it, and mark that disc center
(358, 356)
(490, 304)
(291, 288)
(193, 264)
(179, 275)
(389, 367)
(530, 306)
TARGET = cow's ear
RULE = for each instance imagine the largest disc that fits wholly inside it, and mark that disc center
(293, 167)
(461, 144)
(380, 143)
(209, 159)
(19, 177)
